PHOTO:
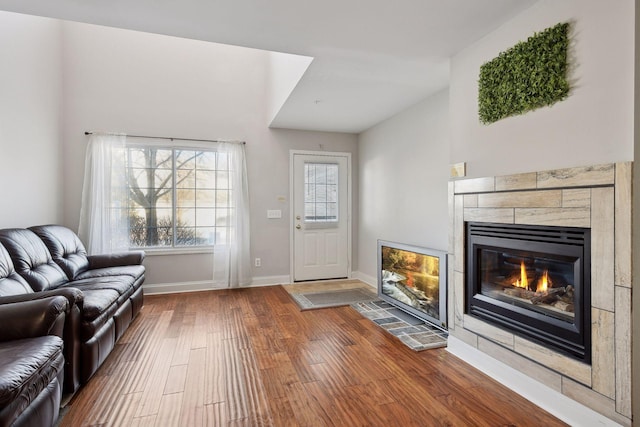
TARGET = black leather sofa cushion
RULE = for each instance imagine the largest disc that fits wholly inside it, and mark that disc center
(68, 251)
(27, 366)
(121, 284)
(32, 259)
(99, 302)
(128, 270)
(10, 282)
(65, 247)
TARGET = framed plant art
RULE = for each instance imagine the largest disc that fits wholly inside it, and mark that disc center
(530, 75)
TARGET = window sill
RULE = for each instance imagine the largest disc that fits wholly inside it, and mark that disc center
(176, 251)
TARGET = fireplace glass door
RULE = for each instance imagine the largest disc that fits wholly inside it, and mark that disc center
(533, 281)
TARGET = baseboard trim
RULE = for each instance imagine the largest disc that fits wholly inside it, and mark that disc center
(207, 285)
(369, 280)
(270, 280)
(172, 288)
(557, 404)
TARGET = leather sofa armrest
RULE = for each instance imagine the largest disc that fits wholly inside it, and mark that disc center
(115, 259)
(73, 295)
(29, 319)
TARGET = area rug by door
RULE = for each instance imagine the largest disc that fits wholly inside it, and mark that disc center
(332, 298)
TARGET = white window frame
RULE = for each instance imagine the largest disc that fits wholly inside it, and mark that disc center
(173, 248)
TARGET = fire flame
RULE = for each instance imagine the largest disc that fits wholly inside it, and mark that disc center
(410, 279)
(544, 282)
(523, 282)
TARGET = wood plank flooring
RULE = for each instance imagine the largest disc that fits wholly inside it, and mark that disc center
(250, 357)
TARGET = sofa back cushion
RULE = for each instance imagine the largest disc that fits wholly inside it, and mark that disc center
(32, 259)
(65, 247)
(10, 282)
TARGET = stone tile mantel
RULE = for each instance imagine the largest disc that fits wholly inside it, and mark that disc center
(596, 197)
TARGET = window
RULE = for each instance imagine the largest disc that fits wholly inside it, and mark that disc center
(176, 197)
(320, 192)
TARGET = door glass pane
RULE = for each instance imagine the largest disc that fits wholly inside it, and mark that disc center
(321, 189)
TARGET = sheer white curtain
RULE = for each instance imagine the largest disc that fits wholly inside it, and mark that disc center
(231, 258)
(104, 229)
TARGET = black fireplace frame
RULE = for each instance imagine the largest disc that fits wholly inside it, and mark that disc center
(572, 339)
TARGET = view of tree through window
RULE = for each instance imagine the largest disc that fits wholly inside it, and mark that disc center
(176, 197)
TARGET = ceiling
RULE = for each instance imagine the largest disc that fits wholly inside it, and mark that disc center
(372, 58)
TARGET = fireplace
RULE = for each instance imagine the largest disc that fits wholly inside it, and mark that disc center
(533, 281)
(594, 370)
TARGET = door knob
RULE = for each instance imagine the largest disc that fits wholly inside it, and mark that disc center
(298, 226)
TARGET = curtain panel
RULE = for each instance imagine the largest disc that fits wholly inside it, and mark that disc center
(232, 265)
(103, 229)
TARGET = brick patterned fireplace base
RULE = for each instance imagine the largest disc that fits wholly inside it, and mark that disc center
(595, 197)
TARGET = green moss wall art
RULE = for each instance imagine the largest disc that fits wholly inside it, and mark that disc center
(530, 75)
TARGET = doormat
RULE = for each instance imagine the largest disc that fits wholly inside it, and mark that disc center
(414, 333)
(334, 298)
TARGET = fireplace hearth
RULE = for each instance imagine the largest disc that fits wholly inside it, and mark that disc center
(533, 281)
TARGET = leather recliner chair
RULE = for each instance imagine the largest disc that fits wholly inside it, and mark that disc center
(31, 361)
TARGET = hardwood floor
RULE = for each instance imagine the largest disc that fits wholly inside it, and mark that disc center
(250, 357)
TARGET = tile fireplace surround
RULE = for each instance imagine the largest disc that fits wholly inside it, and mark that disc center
(595, 197)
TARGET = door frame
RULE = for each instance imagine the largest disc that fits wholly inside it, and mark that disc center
(292, 154)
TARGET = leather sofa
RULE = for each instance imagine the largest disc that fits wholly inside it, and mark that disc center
(31, 361)
(104, 292)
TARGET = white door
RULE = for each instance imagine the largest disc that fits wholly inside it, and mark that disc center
(321, 211)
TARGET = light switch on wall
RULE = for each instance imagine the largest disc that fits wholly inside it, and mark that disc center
(274, 213)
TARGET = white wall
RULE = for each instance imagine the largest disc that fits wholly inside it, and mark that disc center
(148, 84)
(30, 162)
(269, 181)
(594, 125)
(403, 180)
(284, 72)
